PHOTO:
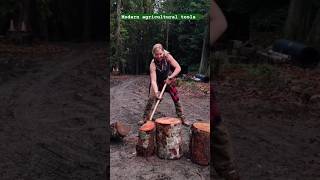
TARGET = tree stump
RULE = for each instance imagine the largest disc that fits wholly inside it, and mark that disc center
(200, 143)
(146, 144)
(168, 137)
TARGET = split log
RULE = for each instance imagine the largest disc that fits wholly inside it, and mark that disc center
(169, 138)
(119, 130)
(200, 143)
(146, 142)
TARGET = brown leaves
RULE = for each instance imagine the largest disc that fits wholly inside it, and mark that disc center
(194, 89)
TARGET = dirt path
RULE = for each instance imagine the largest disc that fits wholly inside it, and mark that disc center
(128, 99)
(53, 119)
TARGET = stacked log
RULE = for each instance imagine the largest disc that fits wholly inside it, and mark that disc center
(168, 138)
(146, 141)
(200, 143)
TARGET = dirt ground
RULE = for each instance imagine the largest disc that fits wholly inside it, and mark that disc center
(272, 113)
(52, 112)
(128, 95)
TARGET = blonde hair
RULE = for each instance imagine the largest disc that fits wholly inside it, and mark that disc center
(159, 46)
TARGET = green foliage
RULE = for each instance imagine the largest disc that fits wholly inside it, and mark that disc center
(8, 7)
(44, 6)
(138, 37)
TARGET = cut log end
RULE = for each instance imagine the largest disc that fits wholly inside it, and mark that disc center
(148, 126)
(201, 126)
(168, 121)
(146, 141)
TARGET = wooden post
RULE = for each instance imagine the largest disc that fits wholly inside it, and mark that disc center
(200, 143)
(146, 141)
(169, 139)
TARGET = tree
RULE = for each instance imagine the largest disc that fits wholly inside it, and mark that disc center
(183, 39)
(299, 20)
(203, 69)
(303, 20)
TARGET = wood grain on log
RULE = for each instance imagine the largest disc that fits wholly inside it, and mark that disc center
(146, 142)
(168, 137)
(200, 143)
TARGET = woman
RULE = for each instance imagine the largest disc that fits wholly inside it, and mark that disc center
(223, 160)
(163, 69)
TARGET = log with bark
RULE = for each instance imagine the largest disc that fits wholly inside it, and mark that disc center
(200, 143)
(146, 141)
(119, 130)
(169, 138)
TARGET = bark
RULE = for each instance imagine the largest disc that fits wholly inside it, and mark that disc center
(169, 138)
(203, 69)
(146, 141)
(118, 49)
(26, 15)
(200, 143)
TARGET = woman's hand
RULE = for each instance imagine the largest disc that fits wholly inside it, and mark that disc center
(169, 80)
(158, 96)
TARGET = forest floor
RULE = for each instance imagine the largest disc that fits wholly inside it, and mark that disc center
(53, 111)
(272, 113)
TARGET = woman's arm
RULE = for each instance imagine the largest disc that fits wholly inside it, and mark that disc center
(174, 64)
(218, 22)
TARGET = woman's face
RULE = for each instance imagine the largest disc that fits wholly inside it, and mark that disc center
(158, 54)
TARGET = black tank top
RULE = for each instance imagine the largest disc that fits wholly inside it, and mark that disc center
(162, 70)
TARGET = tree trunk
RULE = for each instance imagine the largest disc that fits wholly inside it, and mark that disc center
(118, 48)
(203, 69)
(314, 36)
(87, 21)
(299, 20)
(146, 39)
(167, 34)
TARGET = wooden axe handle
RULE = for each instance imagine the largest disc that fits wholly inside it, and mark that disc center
(155, 107)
